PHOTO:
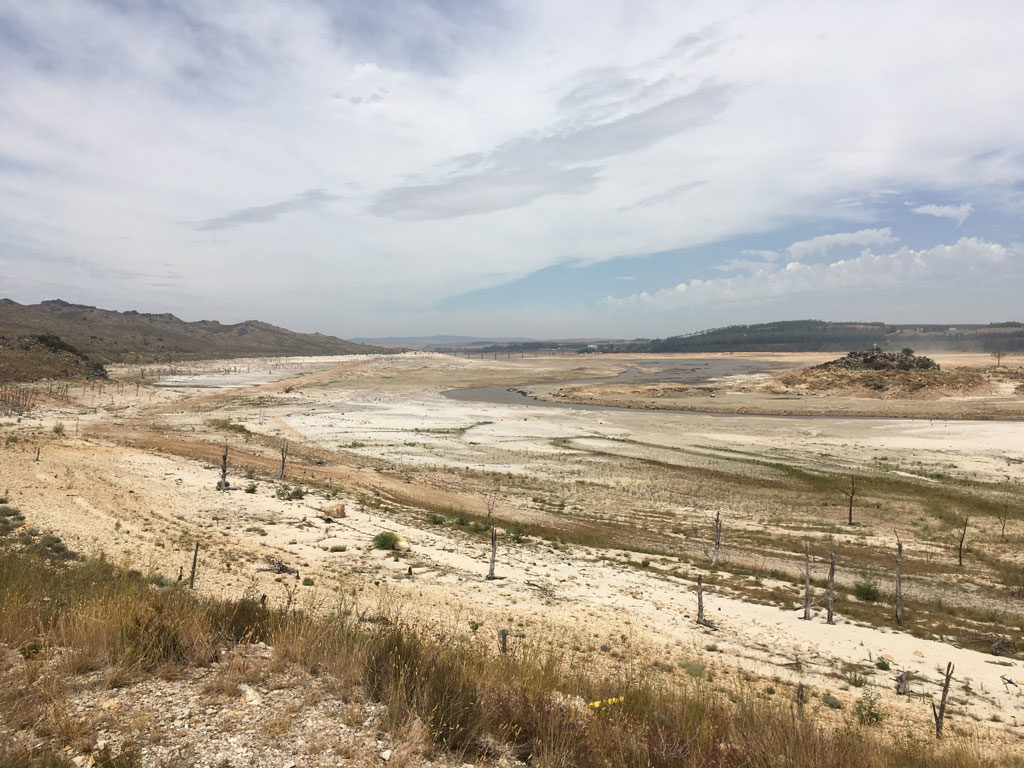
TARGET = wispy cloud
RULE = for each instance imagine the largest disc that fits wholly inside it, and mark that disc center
(664, 197)
(308, 200)
(561, 162)
(823, 243)
(957, 213)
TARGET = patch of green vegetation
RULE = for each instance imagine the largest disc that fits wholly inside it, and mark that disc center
(385, 540)
(227, 425)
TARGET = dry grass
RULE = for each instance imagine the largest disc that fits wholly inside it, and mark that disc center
(439, 692)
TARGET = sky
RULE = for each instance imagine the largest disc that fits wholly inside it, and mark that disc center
(541, 169)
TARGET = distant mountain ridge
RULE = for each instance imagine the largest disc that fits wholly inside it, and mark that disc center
(822, 336)
(109, 336)
(439, 340)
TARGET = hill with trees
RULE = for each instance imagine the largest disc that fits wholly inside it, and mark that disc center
(108, 336)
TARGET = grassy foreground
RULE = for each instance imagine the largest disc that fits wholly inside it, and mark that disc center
(74, 617)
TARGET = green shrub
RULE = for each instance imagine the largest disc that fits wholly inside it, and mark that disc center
(297, 493)
(867, 710)
(58, 428)
(385, 540)
(866, 589)
(250, 488)
(882, 664)
(435, 519)
(855, 678)
(831, 701)
(307, 582)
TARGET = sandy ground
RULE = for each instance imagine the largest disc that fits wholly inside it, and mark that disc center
(134, 476)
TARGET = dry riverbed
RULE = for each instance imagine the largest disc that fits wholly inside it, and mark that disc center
(605, 516)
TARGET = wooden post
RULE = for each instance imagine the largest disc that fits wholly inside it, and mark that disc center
(807, 583)
(223, 484)
(831, 587)
(940, 713)
(899, 581)
(960, 546)
(37, 453)
(284, 456)
(195, 560)
(503, 641)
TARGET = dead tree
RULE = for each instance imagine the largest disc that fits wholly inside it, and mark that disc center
(899, 581)
(195, 561)
(1003, 516)
(940, 713)
(700, 604)
(494, 553)
(903, 683)
(807, 583)
(717, 546)
(284, 457)
(831, 588)
(849, 495)
(223, 484)
(960, 544)
(491, 502)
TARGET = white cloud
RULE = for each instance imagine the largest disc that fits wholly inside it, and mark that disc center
(455, 149)
(904, 267)
(958, 213)
(866, 237)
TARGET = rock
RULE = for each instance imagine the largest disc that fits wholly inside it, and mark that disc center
(385, 755)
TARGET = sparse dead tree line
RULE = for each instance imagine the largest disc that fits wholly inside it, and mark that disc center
(16, 401)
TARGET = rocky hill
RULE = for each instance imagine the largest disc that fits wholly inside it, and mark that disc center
(30, 358)
(877, 360)
(107, 336)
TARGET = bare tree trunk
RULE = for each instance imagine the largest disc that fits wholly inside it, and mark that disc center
(494, 552)
(195, 561)
(284, 456)
(831, 587)
(807, 584)
(718, 538)
(940, 713)
(960, 546)
(700, 599)
(899, 581)
(1003, 517)
(223, 484)
(850, 494)
(903, 683)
